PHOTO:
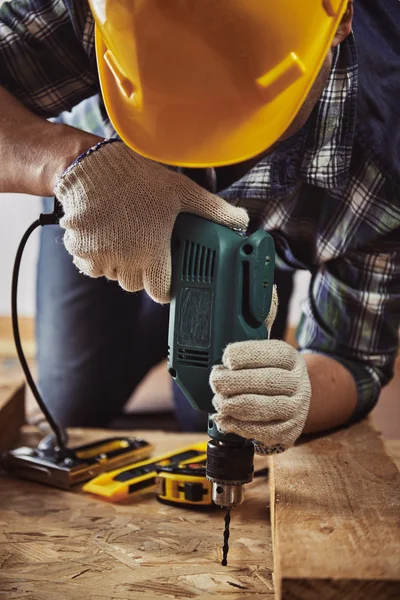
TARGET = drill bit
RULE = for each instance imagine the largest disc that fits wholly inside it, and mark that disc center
(225, 547)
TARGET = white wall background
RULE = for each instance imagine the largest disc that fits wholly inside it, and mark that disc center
(17, 212)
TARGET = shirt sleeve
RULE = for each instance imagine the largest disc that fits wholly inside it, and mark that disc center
(352, 314)
(47, 57)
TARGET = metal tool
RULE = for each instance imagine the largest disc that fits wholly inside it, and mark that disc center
(221, 293)
(225, 547)
(135, 478)
(66, 467)
(186, 484)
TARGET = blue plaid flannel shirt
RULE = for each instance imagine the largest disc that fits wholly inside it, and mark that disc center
(320, 194)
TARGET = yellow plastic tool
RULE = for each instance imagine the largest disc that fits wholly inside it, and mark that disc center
(138, 477)
(185, 484)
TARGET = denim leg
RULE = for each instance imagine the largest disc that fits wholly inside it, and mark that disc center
(95, 341)
(189, 419)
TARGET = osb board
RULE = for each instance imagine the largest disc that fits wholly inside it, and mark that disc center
(12, 412)
(63, 545)
(336, 518)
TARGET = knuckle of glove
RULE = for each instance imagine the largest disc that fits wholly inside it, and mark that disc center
(245, 407)
(80, 245)
(219, 404)
(130, 280)
(157, 280)
(278, 353)
(87, 267)
(216, 375)
(225, 424)
(244, 355)
(256, 354)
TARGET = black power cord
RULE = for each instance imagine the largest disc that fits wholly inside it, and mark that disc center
(44, 219)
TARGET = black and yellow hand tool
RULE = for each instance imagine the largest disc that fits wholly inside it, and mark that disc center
(138, 477)
(184, 484)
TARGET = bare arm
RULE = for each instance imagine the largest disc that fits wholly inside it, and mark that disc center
(334, 393)
(47, 66)
(350, 327)
(34, 151)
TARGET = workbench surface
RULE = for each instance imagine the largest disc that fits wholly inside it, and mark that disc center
(58, 545)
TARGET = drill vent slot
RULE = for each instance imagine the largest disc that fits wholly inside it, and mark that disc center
(198, 263)
(193, 358)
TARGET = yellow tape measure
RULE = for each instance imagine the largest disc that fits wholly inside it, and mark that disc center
(184, 484)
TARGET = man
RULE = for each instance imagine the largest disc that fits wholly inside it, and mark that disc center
(314, 173)
(132, 337)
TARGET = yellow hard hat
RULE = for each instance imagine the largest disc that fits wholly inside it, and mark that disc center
(201, 83)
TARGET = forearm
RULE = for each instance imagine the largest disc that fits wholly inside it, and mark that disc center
(334, 393)
(34, 151)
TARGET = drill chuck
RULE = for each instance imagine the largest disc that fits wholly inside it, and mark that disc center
(229, 467)
(227, 496)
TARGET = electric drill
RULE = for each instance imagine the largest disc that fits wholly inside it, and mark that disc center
(221, 293)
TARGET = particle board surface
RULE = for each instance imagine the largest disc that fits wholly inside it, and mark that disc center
(65, 545)
(336, 518)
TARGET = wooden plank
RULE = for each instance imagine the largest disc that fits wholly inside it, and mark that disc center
(12, 412)
(66, 545)
(336, 518)
(393, 449)
(27, 331)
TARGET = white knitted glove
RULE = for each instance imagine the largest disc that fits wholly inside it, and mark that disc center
(262, 393)
(120, 210)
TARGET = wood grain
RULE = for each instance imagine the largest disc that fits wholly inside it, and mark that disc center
(66, 545)
(336, 518)
(393, 449)
(27, 330)
(12, 412)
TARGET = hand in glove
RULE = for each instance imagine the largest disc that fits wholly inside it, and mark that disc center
(120, 210)
(262, 392)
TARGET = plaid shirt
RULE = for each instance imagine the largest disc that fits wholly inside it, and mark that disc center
(320, 194)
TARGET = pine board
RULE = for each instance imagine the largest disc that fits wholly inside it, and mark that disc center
(12, 412)
(65, 545)
(336, 518)
(393, 449)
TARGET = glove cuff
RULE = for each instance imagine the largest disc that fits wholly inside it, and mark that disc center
(265, 450)
(85, 154)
